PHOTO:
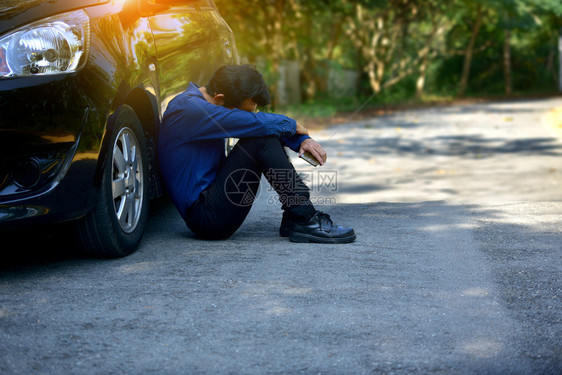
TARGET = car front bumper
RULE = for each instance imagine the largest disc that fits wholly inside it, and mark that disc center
(49, 143)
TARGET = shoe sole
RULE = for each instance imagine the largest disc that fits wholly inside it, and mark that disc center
(306, 238)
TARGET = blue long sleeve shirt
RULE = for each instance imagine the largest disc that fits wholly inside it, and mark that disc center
(191, 144)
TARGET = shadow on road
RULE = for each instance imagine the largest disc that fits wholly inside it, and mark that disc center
(474, 145)
(411, 258)
(37, 246)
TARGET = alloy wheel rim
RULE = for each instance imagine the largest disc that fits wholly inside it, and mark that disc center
(127, 180)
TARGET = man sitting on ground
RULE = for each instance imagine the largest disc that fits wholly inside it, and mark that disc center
(205, 185)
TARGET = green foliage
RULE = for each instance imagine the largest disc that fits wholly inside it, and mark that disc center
(407, 49)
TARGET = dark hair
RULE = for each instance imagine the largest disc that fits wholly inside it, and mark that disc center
(239, 82)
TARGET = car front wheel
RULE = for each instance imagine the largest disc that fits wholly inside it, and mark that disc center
(115, 226)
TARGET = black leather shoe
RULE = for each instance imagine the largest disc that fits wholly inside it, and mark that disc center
(321, 229)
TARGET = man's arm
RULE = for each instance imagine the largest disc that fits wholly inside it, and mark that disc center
(294, 141)
(301, 142)
(200, 120)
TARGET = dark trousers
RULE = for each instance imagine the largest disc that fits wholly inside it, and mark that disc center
(223, 207)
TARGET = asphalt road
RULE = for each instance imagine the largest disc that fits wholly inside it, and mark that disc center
(456, 268)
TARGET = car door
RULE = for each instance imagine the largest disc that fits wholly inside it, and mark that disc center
(192, 41)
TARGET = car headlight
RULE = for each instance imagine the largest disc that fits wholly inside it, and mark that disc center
(56, 44)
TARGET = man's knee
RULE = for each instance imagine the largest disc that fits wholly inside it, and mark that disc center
(262, 142)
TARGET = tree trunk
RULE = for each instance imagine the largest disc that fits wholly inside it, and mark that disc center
(275, 43)
(470, 51)
(322, 79)
(420, 82)
(374, 77)
(560, 60)
(424, 61)
(507, 59)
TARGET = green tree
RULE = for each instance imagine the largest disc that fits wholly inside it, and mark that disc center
(430, 46)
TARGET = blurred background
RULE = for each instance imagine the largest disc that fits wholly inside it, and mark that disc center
(324, 57)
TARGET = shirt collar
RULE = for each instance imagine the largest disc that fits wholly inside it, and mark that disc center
(193, 90)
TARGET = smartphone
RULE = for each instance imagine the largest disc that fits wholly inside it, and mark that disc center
(307, 156)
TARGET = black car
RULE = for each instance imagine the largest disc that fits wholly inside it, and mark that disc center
(83, 86)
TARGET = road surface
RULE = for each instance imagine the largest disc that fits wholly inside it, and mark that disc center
(456, 268)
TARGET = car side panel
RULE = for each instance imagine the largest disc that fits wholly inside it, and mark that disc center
(193, 54)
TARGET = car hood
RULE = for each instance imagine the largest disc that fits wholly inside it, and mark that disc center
(15, 13)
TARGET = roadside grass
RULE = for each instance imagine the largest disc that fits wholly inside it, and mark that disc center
(325, 112)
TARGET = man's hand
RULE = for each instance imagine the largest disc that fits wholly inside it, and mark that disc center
(315, 149)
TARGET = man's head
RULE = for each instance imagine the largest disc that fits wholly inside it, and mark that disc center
(238, 86)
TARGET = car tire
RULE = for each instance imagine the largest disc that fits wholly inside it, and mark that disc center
(115, 226)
